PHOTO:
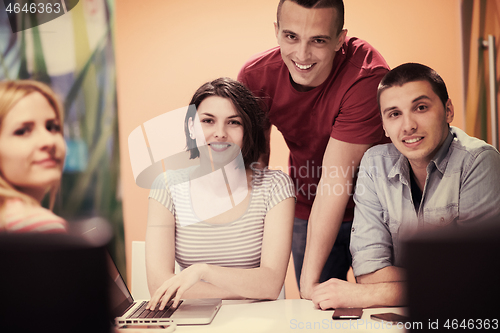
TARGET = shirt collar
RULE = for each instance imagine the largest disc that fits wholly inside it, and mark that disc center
(401, 168)
(442, 157)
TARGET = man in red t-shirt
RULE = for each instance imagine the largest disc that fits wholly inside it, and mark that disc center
(320, 88)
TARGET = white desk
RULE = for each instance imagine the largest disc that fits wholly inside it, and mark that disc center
(293, 315)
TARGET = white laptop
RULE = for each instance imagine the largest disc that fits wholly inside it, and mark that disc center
(127, 312)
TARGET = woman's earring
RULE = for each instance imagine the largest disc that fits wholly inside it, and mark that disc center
(191, 135)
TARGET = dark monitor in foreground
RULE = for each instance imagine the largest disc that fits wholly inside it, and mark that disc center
(453, 280)
(53, 283)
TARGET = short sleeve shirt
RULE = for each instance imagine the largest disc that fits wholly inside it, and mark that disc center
(20, 217)
(234, 244)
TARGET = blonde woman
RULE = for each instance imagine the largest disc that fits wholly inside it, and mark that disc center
(32, 152)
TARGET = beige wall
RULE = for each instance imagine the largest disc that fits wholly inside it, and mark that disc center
(166, 49)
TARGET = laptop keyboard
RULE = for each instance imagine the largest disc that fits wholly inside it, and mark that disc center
(142, 312)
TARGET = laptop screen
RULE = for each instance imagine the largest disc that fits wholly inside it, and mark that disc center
(97, 231)
(121, 299)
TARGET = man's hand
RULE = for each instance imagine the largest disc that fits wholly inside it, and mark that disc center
(336, 293)
(385, 287)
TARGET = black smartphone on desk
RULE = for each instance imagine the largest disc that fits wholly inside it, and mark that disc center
(390, 317)
(347, 313)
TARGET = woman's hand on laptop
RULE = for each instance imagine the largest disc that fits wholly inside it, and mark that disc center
(176, 286)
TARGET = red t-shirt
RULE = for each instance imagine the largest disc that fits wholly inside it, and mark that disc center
(343, 107)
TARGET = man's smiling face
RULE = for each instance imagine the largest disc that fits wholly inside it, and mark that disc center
(308, 40)
(416, 120)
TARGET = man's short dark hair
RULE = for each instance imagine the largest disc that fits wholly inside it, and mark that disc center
(337, 4)
(411, 72)
(248, 107)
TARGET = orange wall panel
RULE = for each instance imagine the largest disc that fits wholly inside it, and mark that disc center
(166, 49)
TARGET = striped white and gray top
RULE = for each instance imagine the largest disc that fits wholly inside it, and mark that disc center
(234, 244)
